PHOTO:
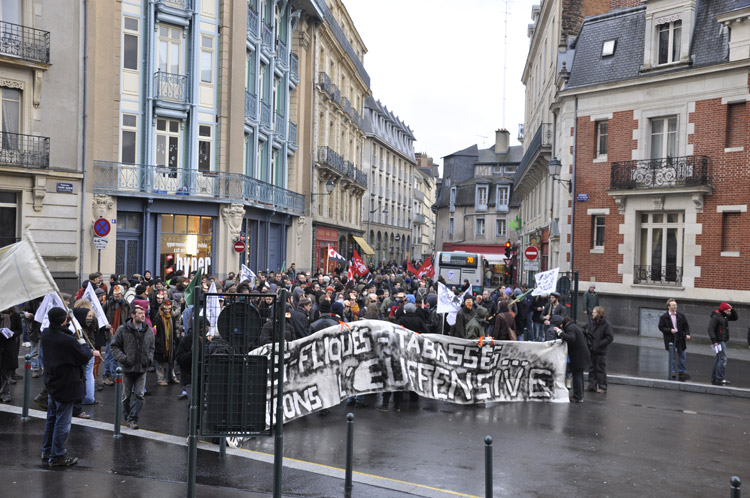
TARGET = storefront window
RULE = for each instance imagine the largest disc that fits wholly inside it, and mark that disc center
(185, 243)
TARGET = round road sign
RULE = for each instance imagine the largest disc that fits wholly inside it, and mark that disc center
(531, 253)
(239, 246)
(102, 227)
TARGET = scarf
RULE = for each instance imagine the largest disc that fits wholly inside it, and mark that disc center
(166, 320)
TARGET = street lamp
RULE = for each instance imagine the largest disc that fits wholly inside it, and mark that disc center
(329, 189)
(555, 168)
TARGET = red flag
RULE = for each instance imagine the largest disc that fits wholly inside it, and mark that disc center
(349, 272)
(411, 269)
(360, 268)
(426, 270)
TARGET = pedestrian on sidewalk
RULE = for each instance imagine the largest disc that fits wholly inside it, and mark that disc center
(64, 360)
(676, 330)
(718, 331)
(11, 330)
(580, 359)
(133, 348)
(599, 335)
(590, 301)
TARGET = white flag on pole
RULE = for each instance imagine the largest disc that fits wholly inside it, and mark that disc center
(213, 308)
(50, 301)
(247, 274)
(25, 275)
(546, 282)
(90, 294)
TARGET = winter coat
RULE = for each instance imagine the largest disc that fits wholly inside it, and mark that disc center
(412, 322)
(718, 325)
(476, 328)
(184, 358)
(64, 362)
(323, 322)
(599, 333)
(164, 351)
(504, 324)
(590, 301)
(8, 347)
(578, 348)
(463, 317)
(123, 308)
(537, 316)
(34, 327)
(683, 330)
(132, 348)
(372, 312)
(300, 323)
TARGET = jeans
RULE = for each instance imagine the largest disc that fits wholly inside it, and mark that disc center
(133, 387)
(680, 361)
(538, 334)
(57, 428)
(720, 364)
(36, 358)
(110, 364)
(578, 384)
(88, 398)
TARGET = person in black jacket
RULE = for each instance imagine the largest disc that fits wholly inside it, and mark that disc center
(674, 326)
(411, 321)
(578, 351)
(300, 319)
(184, 358)
(11, 329)
(718, 331)
(64, 360)
(599, 335)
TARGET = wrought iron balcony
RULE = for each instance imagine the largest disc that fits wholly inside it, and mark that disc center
(657, 275)
(161, 181)
(24, 151)
(292, 134)
(329, 157)
(251, 107)
(25, 43)
(282, 53)
(336, 94)
(177, 4)
(267, 37)
(170, 87)
(325, 83)
(265, 115)
(419, 219)
(347, 106)
(252, 24)
(294, 67)
(542, 140)
(280, 127)
(361, 178)
(688, 171)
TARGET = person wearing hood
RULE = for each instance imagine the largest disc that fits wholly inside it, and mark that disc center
(300, 318)
(477, 325)
(411, 321)
(117, 310)
(463, 317)
(718, 331)
(87, 319)
(165, 345)
(578, 351)
(504, 328)
(64, 359)
(599, 336)
(328, 315)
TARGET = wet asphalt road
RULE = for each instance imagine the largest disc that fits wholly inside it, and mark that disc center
(632, 441)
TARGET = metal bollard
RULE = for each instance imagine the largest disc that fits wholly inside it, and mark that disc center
(736, 483)
(670, 365)
(488, 466)
(223, 447)
(349, 451)
(525, 334)
(26, 387)
(118, 402)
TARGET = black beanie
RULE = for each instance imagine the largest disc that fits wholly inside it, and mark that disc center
(57, 316)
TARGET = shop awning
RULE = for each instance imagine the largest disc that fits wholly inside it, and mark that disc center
(495, 259)
(364, 245)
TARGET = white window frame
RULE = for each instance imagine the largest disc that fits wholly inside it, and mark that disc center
(170, 40)
(166, 135)
(126, 31)
(501, 228)
(18, 128)
(648, 230)
(665, 134)
(598, 222)
(207, 59)
(602, 135)
(670, 28)
(128, 128)
(480, 227)
(482, 197)
(502, 198)
(205, 136)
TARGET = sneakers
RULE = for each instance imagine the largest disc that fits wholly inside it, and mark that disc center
(84, 415)
(133, 425)
(36, 374)
(63, 461)
(162, 383)
(5, 399)
(45, 458)
(108, 381)
(41, 401)
(26, 344)
(183, 395)
(601, 391)
(576, 400)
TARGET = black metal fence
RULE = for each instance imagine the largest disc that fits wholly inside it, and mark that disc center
(23, 42)
(25, 151)
(660, 173)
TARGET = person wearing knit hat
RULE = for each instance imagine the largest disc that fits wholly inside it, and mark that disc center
(64, 359)
(718, 331)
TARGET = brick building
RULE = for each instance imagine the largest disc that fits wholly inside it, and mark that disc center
(655, 110)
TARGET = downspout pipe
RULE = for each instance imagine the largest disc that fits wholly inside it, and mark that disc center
(83, 130)
(573, 183)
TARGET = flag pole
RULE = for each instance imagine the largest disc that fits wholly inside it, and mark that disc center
(328, 256)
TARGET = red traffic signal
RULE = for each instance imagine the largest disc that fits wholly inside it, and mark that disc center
(507, 249)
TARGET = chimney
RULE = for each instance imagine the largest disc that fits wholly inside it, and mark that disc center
(502, 141)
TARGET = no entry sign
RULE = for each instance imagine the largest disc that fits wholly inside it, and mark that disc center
(102, 227)
(531, 253)
(239, 246)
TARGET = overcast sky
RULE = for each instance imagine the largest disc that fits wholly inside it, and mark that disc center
(438, 65)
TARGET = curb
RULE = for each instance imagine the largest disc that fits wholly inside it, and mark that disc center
(673, 385)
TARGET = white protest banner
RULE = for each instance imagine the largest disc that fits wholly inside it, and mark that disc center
(25, 275)
(247, 274)
(213, 309)
(50, 301)
(90, 294)
(448, 302)
(372, 356)
(546, 282)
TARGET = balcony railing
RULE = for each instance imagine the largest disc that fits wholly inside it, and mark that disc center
(178, 4)
(294, 67)
(657, 275)
(282, 53)
(336, 94)
(293, 134)
(688, 171)
(171, 87)
(325, 83)
(265, 115)
(361, 178)
(251, 107)
(24, 151)
(280, 126)
(267, 36)
(419, 219)
(25, 43)
(542, 138)
(162, 181)
(347, 106)
(332, 159)
(252, 23)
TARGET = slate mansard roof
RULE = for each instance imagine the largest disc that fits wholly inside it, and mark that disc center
(709, 44)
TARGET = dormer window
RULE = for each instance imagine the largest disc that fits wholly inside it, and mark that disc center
(482, 196)
(669, 34)
(608, 48)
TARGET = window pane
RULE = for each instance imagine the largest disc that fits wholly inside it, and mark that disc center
(128, 147)
(663, 43)
(174, 126)
(133, 221)
(180, 224)
(161, 124)
(204, 131)
(676, 40)
(161, 150)
(658, 217)
(8, 197)
(206, 226)
(672, 218)
(7, 225)
(173, 152)
(656, 249)
(194, 224)
(206, 66)
(129, 120)
(130, 52)
(167, 223)
(644, 246)
(131, 24)
(671, 247)
(204, 155)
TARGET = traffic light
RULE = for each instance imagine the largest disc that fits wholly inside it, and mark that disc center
(169, 269)
(507, 249)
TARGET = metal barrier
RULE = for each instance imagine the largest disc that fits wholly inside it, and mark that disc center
(735, 484)
(349, 451)
(118, 401)
(26, 387)
(488, 466)
(671, 364)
